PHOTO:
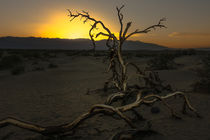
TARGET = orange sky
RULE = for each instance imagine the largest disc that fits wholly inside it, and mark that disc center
(187, 22)
(59, 26)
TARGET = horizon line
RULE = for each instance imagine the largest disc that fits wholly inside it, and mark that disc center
(171, 47)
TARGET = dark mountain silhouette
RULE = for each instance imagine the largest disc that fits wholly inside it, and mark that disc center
(68, 44)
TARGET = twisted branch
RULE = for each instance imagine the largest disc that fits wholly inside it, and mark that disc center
(120, 17)
(87, 17)
(66, 128)
(148, 29)
(114, 97)
(96, 109)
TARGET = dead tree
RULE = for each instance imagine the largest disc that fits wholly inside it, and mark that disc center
(117, 64)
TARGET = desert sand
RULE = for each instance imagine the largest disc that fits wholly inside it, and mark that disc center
(59, 95)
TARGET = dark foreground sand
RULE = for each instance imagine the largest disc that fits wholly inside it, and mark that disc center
(56, 96)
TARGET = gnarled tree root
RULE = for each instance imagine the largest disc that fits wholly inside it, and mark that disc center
(150, 99)
(100, 108)
(114, 97)
(65, 128)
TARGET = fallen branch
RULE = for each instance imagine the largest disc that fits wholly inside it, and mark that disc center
(65, 128)
(100, 108)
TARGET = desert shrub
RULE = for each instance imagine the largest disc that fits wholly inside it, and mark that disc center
(144, 54)
(162, 62)
(128, 55)
(36, 55)
(52, 65)
(184, 52)
(139, 55)
(86, 53)
(10, 61)
(18, 70)
(49, 54)
(71, 53)
(35, 63)
(178, 53)
(31, 54)
(99, 54)
(38, 68)
(189, 52)
(1, 53)
(204, 76)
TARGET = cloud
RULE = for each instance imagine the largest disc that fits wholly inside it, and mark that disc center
(188, 34)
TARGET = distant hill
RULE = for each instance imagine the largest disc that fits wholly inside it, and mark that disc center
(68, 44)
(204, 49)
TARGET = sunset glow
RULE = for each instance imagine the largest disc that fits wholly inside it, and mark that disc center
(59, 26)
(187, 22)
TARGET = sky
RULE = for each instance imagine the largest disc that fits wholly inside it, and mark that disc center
(187, 20)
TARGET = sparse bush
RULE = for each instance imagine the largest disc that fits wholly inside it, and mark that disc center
(189, 52)
(128, 55)
(51, 66)
(145, 54)
(10, 61)
(162, 62)
(72, 53)
(18, 70)
(49, 54)
(1, 54)
(35, 63)
(86, 53)
(204, 76)
(139, 55)
(99, 54)
(38, 68)
(31, 54)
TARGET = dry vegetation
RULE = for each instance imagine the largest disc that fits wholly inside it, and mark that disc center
(204, 76)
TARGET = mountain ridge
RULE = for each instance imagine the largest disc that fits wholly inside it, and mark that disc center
(10, 42)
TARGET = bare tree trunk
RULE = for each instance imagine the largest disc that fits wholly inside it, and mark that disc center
(123, 69)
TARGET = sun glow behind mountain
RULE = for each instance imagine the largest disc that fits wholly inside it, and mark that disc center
(60, 26)
(188, 27)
